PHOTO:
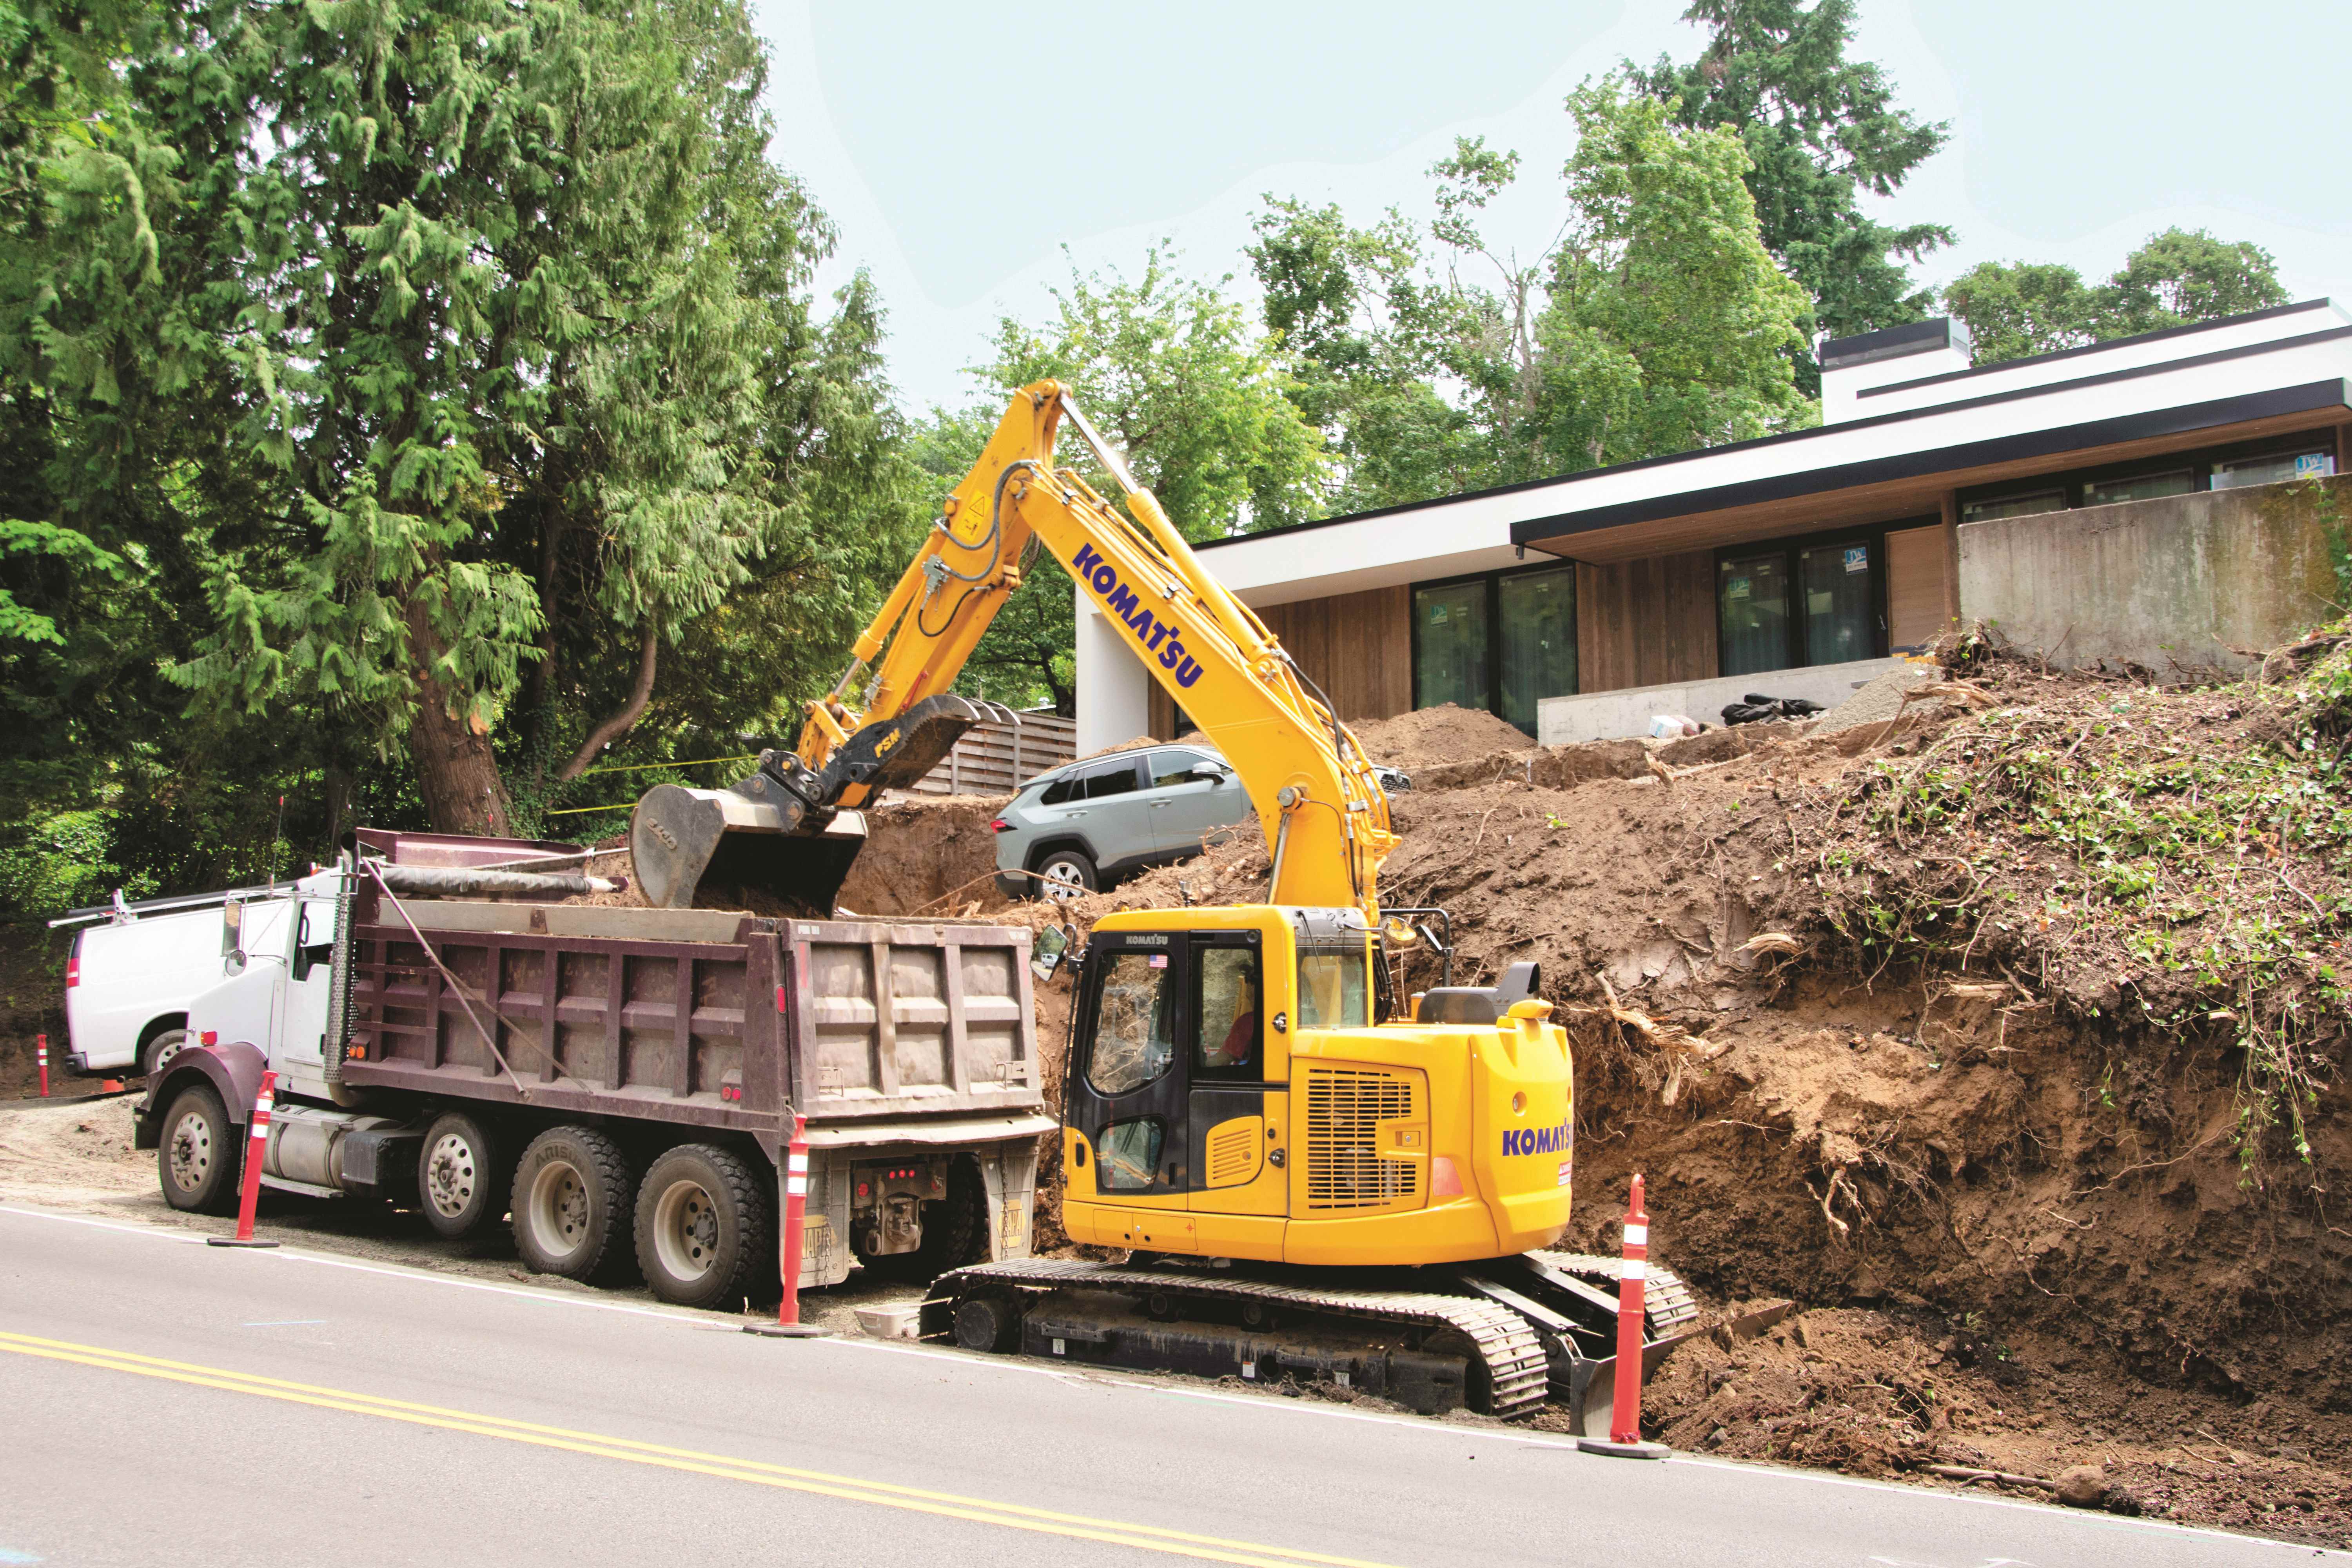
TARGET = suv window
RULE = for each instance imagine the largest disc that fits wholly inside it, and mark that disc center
(1175, 767)
(1117, 779)
(1062, 790)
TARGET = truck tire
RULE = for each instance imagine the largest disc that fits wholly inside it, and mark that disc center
(1065, 875)
(705, 1227)
(461, 1183)
(159, 1050)
(572, 1205)
(200, 1156)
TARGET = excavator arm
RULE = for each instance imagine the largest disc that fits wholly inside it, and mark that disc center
(892, 714)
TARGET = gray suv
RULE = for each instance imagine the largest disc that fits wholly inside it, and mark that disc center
(1087, 824)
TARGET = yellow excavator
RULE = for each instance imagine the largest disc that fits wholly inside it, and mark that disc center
(1313, 1177)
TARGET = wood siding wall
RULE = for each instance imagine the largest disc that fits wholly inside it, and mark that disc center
(1645, 622)
(1357, 647)
(1918, 584)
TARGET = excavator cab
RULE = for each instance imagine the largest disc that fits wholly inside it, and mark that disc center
(1233, 1091)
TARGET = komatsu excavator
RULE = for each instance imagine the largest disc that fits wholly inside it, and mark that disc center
(1313, 1176)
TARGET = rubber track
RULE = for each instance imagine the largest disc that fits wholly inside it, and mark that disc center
(1667, 1303)
(1516, 1374)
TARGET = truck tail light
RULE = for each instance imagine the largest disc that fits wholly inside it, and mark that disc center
(73, 972)
(999, 825)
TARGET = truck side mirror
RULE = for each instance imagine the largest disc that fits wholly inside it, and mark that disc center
(232, 927)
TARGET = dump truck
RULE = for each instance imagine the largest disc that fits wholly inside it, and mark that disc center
(452, 1027)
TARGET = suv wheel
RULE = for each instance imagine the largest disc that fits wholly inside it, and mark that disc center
(1065, 875)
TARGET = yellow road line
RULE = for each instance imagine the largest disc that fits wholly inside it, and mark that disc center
(882, 1494)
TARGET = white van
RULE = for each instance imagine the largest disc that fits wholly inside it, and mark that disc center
(129, 979)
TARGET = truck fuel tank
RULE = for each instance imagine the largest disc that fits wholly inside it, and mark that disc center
(316, 1151)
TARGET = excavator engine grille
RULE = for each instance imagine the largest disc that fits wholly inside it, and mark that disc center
(1345, 1108)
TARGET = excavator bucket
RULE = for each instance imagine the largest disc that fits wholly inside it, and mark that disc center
(689, 844)
(775, 832)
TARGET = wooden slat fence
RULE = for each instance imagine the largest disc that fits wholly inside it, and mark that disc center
(997, 759)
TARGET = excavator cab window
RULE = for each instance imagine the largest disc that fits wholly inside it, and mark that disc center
(1334, 990)
(1229, 1023)
(1135, 1023)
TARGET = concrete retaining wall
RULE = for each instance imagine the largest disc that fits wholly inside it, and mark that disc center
(1608, 715)
(2181, 579)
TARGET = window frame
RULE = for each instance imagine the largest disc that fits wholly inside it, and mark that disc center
(1792, 549)
(1493, 581)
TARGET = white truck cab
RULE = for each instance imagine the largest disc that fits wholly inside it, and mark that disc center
(275, 956)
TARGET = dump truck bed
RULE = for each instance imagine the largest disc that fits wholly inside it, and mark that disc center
(701, 1016)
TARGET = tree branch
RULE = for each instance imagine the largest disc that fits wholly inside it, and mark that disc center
(622, 723)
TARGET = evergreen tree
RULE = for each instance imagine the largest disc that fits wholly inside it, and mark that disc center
(1819, 130)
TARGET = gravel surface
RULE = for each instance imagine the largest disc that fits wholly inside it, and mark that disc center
(1875, 703)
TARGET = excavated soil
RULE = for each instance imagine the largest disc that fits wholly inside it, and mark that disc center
(1431, 737)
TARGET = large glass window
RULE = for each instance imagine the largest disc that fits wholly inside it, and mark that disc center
(1840, 603)
(1118, 778)
(1503, 642)
(2014, 506)
(1538, 617)
(1751, 598)
(2139, 487)
(1134, 1024)
(2269, 470)
(1450, 645)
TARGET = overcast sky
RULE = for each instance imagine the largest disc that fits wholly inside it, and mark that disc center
(959, 147)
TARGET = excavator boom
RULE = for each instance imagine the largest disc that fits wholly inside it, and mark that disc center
(892, 714)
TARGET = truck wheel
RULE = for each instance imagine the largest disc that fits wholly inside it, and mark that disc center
(571, 1203)
(159, 1051)
(201, 1155)
(1063, 875)
(705, 1227)
(460, 1185)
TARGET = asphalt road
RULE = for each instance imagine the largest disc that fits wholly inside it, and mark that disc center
(169, 1402)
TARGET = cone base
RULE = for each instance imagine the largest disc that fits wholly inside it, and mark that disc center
(788, 1330)
(233, 1241)
(1622, 1450)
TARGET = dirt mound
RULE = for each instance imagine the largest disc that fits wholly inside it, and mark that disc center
(1431, 737)
(924, 855)
(935, 855)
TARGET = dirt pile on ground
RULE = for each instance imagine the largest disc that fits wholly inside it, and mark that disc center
(1431, 737)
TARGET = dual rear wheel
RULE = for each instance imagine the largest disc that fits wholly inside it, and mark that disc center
(702, 1220)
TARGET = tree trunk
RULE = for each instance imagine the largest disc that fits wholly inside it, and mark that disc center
(457, 770)
(622, 723)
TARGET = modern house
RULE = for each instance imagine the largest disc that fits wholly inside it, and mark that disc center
(2138, 498)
